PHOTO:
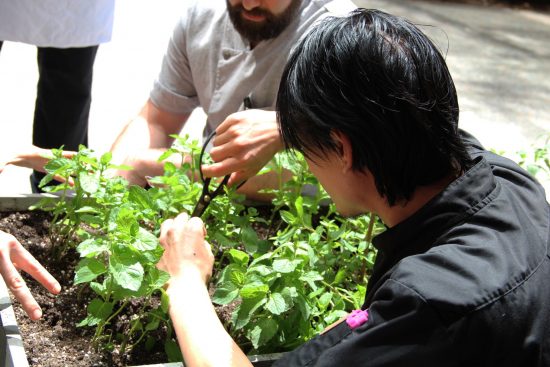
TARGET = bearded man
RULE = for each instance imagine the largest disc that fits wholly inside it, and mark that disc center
(219, 56)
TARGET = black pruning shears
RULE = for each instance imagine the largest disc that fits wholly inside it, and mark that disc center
(206, 195)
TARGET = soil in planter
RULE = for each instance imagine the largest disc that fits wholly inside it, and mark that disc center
(55, 340)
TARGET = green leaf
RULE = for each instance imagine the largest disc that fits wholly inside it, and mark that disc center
(359, 295)
(239, 257)
(87, 209)
(222, 239)
(173, 351)
(126, 221)
(288, 217)
(310, 278)
(254, 290)
(237, 277)
(250, 239)
(232, 273)
(92, 247)
(299, 205)
(225, 294)
(145, 241)
(166, 154)
(285, 265)
(99, 288)
(87, 270)
(157, 278)
(340, 276)
(98, 311)
(262, 270)
(153, 324)
(164, 301)
(106, 158)
(276, 304)
(303, 306)
(263, 332)
(324, 300)
(246, 309)
(89, 182)
(127, 273)
(58, 164)
(334, 316)
(140, 196)
(91, 219)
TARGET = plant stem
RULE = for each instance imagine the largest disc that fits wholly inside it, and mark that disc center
(368, 238)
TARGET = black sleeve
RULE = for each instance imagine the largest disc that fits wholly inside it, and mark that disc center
(402, 330)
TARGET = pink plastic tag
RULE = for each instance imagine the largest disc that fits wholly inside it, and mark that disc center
(357, 318)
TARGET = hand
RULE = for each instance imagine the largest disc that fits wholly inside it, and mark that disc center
(185, 250)
(30, 157)
(133, 176)
(243, 145)
(14, 256)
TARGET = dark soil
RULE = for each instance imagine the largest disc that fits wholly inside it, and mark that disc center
(55, 340)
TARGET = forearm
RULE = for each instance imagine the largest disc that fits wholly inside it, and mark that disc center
(198, 327)
(144, 139)
(138, 136)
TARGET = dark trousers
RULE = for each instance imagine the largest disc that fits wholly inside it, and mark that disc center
(63, 97)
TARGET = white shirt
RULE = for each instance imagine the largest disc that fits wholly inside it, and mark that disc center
(209, 64)
(57, 23)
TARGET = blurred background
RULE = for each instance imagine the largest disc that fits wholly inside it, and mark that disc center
(498, 56)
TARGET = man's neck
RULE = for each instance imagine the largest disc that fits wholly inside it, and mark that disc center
(393, 215)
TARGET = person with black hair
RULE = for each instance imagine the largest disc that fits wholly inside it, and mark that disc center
(460, 278)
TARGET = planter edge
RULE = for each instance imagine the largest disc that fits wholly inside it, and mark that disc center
(11, 343)
(21, 201)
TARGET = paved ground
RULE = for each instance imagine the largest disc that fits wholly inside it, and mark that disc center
(498, 58)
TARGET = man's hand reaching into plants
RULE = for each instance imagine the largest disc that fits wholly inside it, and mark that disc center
(186, 253)
(243, 145)
(14, 256)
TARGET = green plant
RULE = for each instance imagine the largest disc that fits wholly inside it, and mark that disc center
(537, 160)
(288, 274)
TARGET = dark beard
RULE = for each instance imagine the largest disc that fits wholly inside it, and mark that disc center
(271, 27)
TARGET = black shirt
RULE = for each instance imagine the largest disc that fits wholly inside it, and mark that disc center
(465, 281)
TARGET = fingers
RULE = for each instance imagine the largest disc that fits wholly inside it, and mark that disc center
(219, 169)
(18, 287)
(26, 262)
(185, 250)
(238, 177)
(196, 226)
(181, 228)
(231, 120)
(68, 154)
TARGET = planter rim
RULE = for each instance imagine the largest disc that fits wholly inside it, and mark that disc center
(11, 344)
(21, 201)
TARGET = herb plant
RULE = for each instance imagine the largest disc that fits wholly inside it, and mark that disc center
(288, 270)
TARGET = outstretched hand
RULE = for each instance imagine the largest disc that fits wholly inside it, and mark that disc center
(30, 157)
(14, 256)
(244, 144)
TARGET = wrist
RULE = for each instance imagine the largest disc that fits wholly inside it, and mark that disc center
(189, 277)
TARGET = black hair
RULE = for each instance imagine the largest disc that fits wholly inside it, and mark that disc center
(379, 80)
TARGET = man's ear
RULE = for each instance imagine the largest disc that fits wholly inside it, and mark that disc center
(345, 152)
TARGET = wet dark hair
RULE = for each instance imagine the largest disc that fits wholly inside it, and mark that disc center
(379, 80)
